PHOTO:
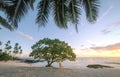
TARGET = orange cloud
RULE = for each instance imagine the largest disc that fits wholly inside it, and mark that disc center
(100, 51)
(108, 48)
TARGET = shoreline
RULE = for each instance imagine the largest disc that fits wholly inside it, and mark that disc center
(23, 64)
(10, 69)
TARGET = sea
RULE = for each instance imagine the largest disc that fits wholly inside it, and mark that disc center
(82, 62)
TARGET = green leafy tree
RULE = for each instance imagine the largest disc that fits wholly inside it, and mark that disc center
(5, 57)
(63, 11)
(52, 51)
(17, 49)
(9, 52)
(0, 45)
(8, 47)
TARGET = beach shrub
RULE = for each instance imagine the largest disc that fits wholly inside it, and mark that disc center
(5, 57)
(52, 51)
(98, 66)
(9, 52)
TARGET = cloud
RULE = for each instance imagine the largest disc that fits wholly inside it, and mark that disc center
(112, 50)
(116, 23)
(107, 48)
(90, 42)
(102, 51)
(106, 31)
(26, 36)
(111, 26)
(81, 45)
(105, 13)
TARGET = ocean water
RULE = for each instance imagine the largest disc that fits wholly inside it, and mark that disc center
(82, 62)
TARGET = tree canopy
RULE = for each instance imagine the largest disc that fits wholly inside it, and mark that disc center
(9, 52)
(52, 51)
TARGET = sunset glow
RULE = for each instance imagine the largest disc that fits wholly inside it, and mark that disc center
(93, 53)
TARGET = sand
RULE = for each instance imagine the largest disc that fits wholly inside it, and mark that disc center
(17, 69)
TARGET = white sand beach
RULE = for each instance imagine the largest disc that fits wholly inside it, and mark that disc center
(17, 69)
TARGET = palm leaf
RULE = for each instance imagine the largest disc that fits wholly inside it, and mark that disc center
(74, 12)
(91, 8)
(5, 24)
(31, 2)
(43, 12)
(60, 13)
(4, 4)
(17, 10)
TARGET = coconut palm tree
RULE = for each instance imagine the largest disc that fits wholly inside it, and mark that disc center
(17, 49)
(3, 21)
(14, 10)
(63, 11)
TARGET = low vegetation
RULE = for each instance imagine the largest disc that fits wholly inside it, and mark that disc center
(5, 57)
(98, 66)
(9, 52)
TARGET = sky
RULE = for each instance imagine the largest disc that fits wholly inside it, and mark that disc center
(101, 39)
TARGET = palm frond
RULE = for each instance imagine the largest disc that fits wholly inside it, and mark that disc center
(4, 4)
(91, 8)
(17, 10)
(60, 13)
(31, 4)
(43, 12)
(74, 12)
(5, 24)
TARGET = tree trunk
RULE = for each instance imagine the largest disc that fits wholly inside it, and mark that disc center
(49, 64)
